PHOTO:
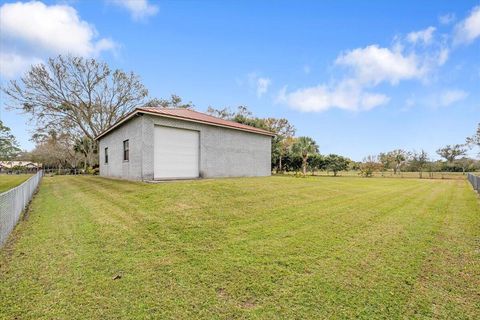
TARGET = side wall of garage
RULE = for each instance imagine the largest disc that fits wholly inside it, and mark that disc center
(132, 130)
(223, 152)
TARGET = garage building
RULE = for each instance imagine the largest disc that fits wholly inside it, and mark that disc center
(163, 144)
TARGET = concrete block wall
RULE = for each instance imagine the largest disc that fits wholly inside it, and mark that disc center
(132, 130)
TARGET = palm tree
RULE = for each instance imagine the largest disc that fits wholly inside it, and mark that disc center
(305, 146)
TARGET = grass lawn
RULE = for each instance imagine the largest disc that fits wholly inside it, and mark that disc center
(8, 181)
(266, 248)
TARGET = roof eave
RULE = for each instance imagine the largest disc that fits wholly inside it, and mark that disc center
(115, 125)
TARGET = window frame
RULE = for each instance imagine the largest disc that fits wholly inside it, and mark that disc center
(126, 150)
(105, 155)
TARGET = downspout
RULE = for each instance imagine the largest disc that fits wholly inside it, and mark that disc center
(143, 147)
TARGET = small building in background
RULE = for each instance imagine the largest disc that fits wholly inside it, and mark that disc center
(14, 166)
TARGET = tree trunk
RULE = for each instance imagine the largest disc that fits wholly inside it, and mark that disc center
(279, 164)
(304, 165)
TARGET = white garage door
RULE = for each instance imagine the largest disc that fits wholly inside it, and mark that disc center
(176, 153)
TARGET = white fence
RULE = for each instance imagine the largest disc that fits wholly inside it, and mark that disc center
(13, 202)
(475, 181)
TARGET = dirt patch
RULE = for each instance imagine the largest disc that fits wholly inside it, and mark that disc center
(248, 304)
(222, 293)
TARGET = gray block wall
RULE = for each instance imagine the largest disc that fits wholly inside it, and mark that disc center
(224, 152)
(132, 130)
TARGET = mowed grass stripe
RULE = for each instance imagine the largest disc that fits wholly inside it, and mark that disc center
(122, 203)
(451, 271)
(298, 261)
(368, 271)
(209, 241)
(244, 248)
(303, 220)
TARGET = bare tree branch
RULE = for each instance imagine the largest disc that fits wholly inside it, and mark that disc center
(75, 95)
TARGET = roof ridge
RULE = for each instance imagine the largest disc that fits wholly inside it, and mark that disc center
(196, 111)
(187, 109)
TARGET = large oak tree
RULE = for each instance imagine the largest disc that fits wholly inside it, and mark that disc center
(76, 95)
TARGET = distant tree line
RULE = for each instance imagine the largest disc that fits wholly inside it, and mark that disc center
(301, 154)
(454, 159)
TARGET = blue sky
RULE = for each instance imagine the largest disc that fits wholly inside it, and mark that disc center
(358, 77)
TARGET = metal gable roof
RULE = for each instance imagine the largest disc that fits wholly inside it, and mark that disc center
(188, 115)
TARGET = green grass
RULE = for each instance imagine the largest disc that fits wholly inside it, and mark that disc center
(9, 181)
(261, 248)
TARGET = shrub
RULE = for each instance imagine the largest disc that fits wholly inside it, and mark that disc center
(93, 171)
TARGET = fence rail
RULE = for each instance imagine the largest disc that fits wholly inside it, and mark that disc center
(475, 181)
(13, 202)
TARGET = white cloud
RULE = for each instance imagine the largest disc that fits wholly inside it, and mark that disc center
(422, 36)
(260, 84)
(468, 30)
(372, 65)
(139, 9)
(443, 56)
(372, 100)
(437, 99)
(366, 68)
(415, 56)
(346, 95)
(450, 97)
(446, 19)
(12, 63)
(56, 28)
(33, 30)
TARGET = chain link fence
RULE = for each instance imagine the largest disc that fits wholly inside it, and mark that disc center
(475, 181)
(13, 202)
